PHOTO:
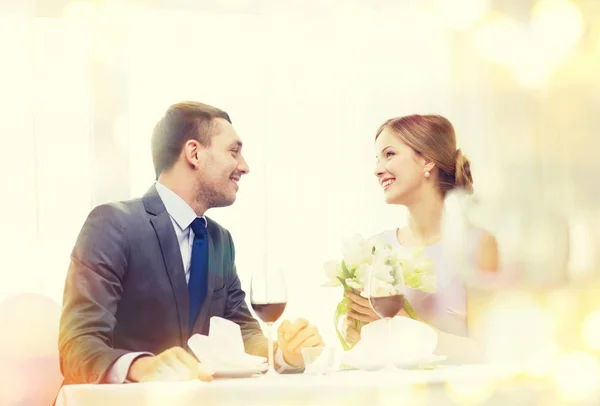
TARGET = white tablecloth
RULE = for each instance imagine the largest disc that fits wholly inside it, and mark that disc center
(451, 385)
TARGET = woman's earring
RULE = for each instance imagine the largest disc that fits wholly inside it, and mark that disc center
(427, 174)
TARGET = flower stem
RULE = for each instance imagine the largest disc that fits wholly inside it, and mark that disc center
(410, 311)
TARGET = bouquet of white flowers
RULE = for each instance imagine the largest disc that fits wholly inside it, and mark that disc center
(361, 258)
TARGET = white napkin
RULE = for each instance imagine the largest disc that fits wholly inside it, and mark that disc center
(223, 348)
(413, 341)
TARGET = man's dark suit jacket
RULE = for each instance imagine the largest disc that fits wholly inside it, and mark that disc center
(126, 290)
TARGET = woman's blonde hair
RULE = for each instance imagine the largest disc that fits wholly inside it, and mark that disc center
(433, 137)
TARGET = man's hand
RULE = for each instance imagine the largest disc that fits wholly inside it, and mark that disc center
(174, 364)
(293, 337)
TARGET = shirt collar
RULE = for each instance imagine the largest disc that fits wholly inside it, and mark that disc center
(177, 208)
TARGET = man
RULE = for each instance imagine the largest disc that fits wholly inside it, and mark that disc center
(148, 273)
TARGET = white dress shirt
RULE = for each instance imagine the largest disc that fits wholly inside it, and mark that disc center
(182, 216)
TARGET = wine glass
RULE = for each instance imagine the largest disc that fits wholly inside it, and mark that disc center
(386, 297)
(268, 297)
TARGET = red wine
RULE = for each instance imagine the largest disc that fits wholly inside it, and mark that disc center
(269, 312)
(387, 306)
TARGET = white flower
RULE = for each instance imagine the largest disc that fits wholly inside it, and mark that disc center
(377, 243)
(333, 271)
(354, 284)
(362, 274)
(378, 288)
(383, 272)
(419, 271)
(356, 251)
(373, 262)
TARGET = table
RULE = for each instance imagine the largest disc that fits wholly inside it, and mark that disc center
(451, 385)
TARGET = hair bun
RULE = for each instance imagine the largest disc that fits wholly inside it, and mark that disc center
(463, 176)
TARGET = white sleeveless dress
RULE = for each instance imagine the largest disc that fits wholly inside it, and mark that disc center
(446, 309)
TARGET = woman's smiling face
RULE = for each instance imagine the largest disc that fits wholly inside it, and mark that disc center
(400, 170)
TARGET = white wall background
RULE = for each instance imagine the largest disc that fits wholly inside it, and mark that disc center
(306, 92)
(306, 96)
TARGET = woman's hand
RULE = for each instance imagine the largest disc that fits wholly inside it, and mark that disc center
(352, 334)
(361, 309)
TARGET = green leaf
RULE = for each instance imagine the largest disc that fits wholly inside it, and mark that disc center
(345, 271)
(343, 307)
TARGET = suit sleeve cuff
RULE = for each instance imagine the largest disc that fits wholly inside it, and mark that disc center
(119, 370)
(282, 366)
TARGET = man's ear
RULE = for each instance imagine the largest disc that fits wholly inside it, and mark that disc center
(191, 153)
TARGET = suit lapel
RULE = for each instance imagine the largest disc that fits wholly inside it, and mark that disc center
(161, 221)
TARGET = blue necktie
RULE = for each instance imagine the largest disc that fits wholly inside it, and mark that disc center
(198, 268)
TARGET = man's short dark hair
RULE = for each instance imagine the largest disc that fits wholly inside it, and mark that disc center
(182, 122)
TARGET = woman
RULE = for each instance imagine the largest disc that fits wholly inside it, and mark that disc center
(417, 165)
